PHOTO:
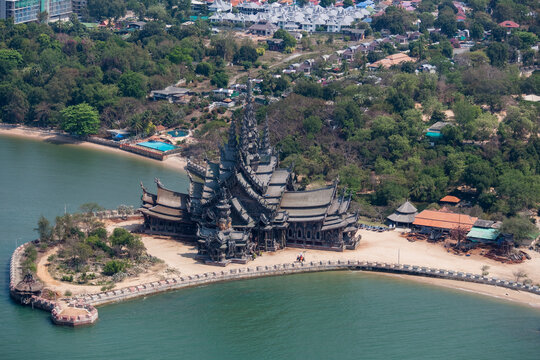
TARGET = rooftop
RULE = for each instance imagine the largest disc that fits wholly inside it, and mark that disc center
(450, 199)
(444, 220)
(483, 234)
(406, 208)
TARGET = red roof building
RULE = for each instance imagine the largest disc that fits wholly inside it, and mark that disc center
(450, 199)
(444, 220)
(509, 24)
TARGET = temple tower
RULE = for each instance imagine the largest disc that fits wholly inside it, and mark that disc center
(223, 211)
(249, 135)
(266, 148)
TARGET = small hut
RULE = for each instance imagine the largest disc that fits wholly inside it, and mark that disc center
(26, 288)
(451, 200)
(404, 215)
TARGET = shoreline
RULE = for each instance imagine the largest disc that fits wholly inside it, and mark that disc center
(375, 248)
(516, 297)
(478, 285)
(434, 277)
(174, 162)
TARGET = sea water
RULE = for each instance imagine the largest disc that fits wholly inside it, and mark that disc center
(336, 315)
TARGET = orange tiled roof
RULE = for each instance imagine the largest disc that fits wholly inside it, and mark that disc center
(450, 199)
(509, 24)
(444, 220)
(394, 59)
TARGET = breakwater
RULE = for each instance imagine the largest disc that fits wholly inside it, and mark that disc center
(66, 311)
(180, 282)
(87, 302)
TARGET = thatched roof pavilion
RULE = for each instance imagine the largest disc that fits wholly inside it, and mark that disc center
(404, 215)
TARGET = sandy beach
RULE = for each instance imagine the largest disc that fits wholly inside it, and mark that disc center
(179, 258)
(387, 247)
(176, 162)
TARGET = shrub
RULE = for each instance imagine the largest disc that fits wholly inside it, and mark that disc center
(68, 293)
(29, 266)
(114, 266)
(107, 287)
(31, 253)
(67, 278)
(121, 237)
(97, 243)
(100, 233)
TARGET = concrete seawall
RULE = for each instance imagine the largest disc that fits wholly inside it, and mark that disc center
(87, 316)
(180, 282)
(87, 302)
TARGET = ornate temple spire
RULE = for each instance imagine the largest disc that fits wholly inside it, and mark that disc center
(232, 134)
(223, 208)
(265, 144)
(249, 136)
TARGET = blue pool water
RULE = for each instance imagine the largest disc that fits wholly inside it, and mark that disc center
(157, 145)
(433, 134)
(177, 133)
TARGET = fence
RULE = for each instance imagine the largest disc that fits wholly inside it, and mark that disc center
(291, 268)
(105, 297)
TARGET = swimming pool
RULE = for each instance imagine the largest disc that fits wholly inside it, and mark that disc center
(157, 145)
(177, 133)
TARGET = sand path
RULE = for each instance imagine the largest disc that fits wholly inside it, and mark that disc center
(382, 247)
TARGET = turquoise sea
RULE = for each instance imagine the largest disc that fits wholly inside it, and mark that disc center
(338, 315)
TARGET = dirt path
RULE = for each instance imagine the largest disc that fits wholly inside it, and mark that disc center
(291, 57)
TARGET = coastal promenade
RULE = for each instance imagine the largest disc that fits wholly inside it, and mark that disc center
(180, 282)
(80, 310)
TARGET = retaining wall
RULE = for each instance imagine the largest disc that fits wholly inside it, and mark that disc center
(282, 269)
(79, 320)
(89, 301)
(15, 276)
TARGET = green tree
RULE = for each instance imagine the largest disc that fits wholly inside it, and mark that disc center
(81, 119)
(390, 191)
(522, 229)
(395, 19)
(477, 31)
(180, 54)
(520, 121)
(114, 266)
(353, 177)
(447, 22)
(44, 230)
(106, 9)
(121, 237)
(478, 5)
(288, 39)
(220, 79)
(132, 84)
(246, 53)
(519, 190)
(327, 3)
(204, 68)
(9, 60)
(497, 53)
(312, 124)
(308, 88)
(479, 174)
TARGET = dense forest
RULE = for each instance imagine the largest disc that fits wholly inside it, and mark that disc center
(367, 127)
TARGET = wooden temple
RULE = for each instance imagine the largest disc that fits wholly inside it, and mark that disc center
(245, 203)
